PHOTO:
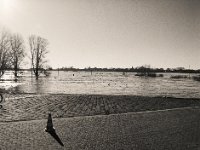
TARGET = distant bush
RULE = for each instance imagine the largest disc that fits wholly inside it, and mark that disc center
(151, 74)
(196, 78)
(46, 73)
(148, 74)
(147, 71)
(179, 76)
(140, 74)
(160, 75)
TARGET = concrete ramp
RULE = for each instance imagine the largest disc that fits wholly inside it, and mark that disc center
(177, 129)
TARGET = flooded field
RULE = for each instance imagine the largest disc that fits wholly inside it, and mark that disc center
(115, 83)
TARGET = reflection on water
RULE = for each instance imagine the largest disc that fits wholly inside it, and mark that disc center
(107, 83)
(8, 80)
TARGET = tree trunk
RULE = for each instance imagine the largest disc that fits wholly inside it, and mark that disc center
(15, 73)
(37, 65)
(36, 73)
(16, 67)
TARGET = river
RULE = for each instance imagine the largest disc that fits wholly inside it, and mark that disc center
(115, 83)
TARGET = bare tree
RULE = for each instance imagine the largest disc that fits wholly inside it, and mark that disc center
(17, 52)
(38, 49)
(4, 51)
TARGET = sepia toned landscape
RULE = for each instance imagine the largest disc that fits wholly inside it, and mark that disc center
(99, 74)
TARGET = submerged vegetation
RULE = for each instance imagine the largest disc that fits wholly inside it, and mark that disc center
(146, 71)
(148, 74)
(179, 76)
(196, 78)
(144, 74)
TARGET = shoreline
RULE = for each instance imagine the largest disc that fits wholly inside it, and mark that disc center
(9, 92)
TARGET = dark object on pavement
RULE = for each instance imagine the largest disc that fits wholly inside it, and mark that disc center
(49, 127)
(51, 130)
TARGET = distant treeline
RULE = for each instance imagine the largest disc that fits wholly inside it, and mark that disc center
(137, 69)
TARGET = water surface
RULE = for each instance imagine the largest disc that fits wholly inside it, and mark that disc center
(115, 83)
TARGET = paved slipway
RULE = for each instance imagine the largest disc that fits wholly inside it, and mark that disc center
(100, 122)
(33, 107)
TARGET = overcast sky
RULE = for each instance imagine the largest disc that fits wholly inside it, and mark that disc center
(110, 33)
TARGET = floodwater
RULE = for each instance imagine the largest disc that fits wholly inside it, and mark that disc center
(115, 83)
